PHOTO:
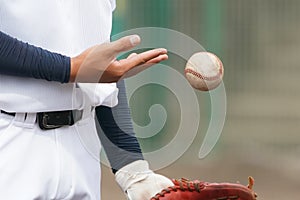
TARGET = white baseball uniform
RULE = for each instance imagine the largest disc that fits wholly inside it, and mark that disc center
(60, 163)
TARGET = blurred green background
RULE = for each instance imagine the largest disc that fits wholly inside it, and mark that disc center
(259, 44)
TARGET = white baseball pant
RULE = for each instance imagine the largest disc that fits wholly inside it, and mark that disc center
(55, 164)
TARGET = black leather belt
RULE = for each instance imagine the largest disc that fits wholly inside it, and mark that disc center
(7, 113)
(55, 119)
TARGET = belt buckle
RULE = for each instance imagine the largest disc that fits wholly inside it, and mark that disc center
(57, 119)
(44, 124)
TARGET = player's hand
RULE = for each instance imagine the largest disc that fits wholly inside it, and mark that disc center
(139, 182)
(99, 64)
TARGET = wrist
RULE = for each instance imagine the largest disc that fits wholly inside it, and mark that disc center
(75, 63)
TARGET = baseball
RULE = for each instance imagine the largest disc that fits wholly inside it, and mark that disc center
(204, 71)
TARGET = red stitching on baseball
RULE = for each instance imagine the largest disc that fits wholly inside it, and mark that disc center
(206, 78)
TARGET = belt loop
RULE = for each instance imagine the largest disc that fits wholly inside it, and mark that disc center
(19, 119)
(86, 113)
(30, 120)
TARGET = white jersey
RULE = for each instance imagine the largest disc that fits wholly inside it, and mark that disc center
(63, 26)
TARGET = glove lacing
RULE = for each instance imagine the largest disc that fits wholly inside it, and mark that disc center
(183, 185)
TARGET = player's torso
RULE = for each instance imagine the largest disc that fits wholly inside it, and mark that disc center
(63, 26)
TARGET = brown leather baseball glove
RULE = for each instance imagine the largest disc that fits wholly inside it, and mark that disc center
(184, 189)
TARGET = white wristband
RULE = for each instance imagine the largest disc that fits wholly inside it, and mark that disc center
(132, 173)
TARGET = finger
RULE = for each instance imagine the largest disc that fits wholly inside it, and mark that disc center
(132, 55)
(158, 59)
(143, 58)
(125, 43)
(148, 64)
(154, 60)
(137, 69)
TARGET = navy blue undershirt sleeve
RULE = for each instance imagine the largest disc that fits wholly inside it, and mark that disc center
(116, 132)
(18, 58)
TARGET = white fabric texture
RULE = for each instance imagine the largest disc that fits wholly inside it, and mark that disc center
(62, 26)
(63, 163)
(139, 182)
(53, 164)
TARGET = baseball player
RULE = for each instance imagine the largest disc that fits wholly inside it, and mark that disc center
(49, 143)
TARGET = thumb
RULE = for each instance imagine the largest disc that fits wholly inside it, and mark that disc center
(125, 43)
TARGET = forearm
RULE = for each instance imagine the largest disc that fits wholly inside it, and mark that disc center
(22, 59)
(117, 134)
